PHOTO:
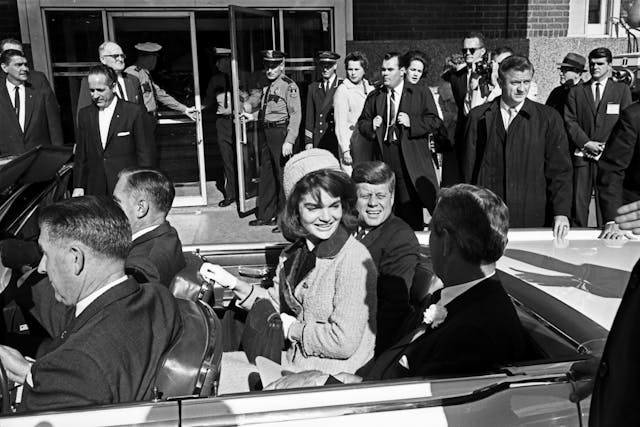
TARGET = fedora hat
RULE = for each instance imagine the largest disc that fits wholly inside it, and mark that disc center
(574, 60)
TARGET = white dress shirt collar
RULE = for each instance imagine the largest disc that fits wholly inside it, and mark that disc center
(449, 293)
(86, 301)
(504, 112)
(104, 120)
(144, 231)
(11, 89)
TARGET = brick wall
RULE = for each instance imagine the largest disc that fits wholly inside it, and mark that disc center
(441, 19)
(9, 25)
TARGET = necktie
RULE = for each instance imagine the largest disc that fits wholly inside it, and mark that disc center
(361, 233)
(597, 94)
(325, 86)
(16, 101)
(391, 132)
(512, 115)
(120, 91)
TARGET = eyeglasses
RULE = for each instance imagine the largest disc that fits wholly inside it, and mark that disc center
(116, 56)
(471, 50)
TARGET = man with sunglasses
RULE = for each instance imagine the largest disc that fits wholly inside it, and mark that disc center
(127, 86)
(465, 84)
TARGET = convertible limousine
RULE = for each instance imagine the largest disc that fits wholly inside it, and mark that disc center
(566, 294)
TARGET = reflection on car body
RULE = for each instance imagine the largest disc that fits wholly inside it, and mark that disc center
(566, 298)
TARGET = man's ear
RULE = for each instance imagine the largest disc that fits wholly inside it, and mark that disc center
(77, 255)
(142, 208)
(4, 67)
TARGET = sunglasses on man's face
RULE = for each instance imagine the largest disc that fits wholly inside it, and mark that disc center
(471, 50)
(116, 56)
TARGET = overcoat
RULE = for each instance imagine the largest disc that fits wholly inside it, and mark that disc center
(535, 161)
(414, 142)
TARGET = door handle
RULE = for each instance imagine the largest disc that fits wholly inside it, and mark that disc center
(243, 130)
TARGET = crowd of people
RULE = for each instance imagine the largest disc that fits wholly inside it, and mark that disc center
(477, 151)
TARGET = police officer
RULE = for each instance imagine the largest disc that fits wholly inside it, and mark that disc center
(151, 92)
(280, 118)
(218, 98)
(320, 125)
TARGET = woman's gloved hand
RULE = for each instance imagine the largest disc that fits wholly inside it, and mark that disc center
(287, 321)
(217, 274)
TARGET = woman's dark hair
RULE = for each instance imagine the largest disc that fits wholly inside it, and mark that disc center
(416, 55)
(336, 183)
(359, 57)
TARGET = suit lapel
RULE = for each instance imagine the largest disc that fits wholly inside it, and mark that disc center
(115, 122)
(29, 102)
(129, 86)
(381, 109)
(586, 90)
(607, 95)
(94, 125)
(491, 114)
(328, 97)
(7, 106)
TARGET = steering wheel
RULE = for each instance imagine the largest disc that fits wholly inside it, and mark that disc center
(4, 390)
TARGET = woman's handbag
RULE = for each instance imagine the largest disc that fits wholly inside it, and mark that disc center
(263, 335)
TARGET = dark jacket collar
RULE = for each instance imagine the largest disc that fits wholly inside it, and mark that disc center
(163, 228)
(376, 232)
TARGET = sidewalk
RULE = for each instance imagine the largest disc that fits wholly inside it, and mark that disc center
(213, 225)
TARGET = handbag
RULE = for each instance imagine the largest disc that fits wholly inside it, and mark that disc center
(263, 334)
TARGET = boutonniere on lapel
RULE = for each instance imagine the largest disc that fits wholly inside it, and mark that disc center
(434, 315)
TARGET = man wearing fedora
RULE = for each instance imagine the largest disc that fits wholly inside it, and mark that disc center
(571, 69)
(319, 129)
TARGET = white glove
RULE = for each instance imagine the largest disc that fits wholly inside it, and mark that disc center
(217, 274)
(287, 321)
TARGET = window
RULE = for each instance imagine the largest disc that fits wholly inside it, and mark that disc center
(597, 17)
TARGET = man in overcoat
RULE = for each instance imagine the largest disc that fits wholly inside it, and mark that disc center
(517, 148)
(396, 118)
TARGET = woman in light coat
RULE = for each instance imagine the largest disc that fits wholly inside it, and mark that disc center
(348, 102)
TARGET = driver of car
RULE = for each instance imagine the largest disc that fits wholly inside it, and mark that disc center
(113, 332)
(145, 196)
(470, 325)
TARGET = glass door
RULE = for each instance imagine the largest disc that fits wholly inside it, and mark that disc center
(174, 84)
(251, 31)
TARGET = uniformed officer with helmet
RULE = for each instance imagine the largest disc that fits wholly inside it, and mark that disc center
(151, 92)
(279, 117)
(319, 124)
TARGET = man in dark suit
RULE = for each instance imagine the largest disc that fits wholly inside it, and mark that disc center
(29, 114)
(320, 126)
(471, 325)
(104, 325)
(591, 112)
(619, 169)
(145, 196)
(517, 148)
(36, 78)
(393, 246)
(111, 137)
(396, 118)
(127, 87)
(571, 69)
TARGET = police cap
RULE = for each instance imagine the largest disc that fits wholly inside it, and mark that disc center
(272, 55)
(148, 47)
(326, 56)
(221, 51)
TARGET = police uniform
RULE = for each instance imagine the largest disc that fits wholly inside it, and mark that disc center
(280, 116)
(151, 92)
(320, 125)
(218, 98)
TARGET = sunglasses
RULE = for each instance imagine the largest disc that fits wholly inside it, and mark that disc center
(471, 50)
(116, 56)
